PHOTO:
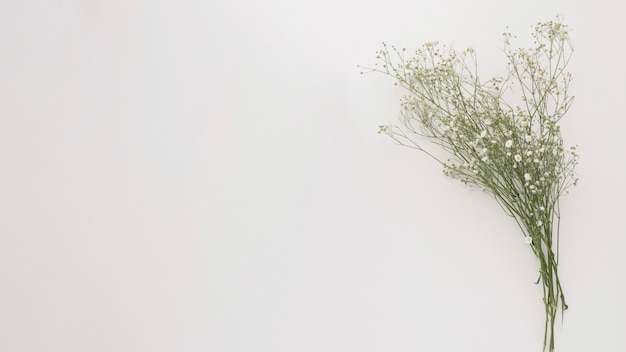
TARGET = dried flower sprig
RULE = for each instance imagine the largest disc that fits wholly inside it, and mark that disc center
(501, 135)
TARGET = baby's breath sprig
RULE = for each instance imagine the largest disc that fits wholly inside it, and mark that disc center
(501, 135)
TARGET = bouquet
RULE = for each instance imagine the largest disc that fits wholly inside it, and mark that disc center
(500, 135)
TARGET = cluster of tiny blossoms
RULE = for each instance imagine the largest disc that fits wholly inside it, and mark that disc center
(501, 135)
(491, 143)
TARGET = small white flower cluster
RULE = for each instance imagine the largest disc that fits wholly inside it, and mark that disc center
(513, 151)
(490, 140)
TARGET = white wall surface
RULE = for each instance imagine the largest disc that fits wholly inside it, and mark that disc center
(207, 176)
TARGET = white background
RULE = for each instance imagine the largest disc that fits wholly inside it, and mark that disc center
(207, 176)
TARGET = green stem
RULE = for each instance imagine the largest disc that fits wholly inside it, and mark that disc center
(552, 290)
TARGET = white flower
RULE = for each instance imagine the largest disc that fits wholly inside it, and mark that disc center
(483, 134)
(539, 223)
(527, 177)
(518, 158)
(542, 208)
(508, 143)
(528, 240)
